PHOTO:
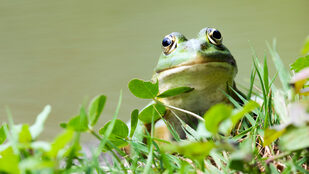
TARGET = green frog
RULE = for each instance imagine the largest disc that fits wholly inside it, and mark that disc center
(203, 64)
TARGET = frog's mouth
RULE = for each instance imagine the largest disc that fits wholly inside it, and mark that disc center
(206, 60)
(217, 73)
(213, 61)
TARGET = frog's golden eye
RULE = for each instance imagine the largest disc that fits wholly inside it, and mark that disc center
(214, 36)
(169, 44)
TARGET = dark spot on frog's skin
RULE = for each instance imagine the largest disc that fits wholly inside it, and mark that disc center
(232, 62)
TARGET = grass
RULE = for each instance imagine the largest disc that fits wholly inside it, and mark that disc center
(267, 134)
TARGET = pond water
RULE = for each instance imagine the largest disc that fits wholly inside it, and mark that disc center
(63, 53)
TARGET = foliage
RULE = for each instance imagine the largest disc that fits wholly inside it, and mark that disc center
(269, 133)
(300, 63)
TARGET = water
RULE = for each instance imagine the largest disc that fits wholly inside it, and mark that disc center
(64, 53)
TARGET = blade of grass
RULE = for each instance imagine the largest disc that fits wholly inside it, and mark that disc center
(149, 160)
(243, 133)
(150, 155)
(265, 75)
(273, 79)
(169, 126)
(257, 69)
(110, 127)
(265, 93)
(252, 78)
(108, 133)
(11, 132)
(283, 73)
(191, 134)
(237, 105)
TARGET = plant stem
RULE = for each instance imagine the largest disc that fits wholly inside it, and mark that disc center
(95, 134)
(113, 153)
(119, 161)
(271, 159)
(182, 110)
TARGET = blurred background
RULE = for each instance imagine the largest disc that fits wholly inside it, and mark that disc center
(64, 53)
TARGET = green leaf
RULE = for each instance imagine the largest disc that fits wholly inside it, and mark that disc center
(60, 142)
(63, 125)
(175, 91)
(305, 49)
(152, 112)
(9, 161)
(80, 122)
(120, 129)
(194, 150)
(237, 162)
(134, 120)
(215, 115)
(271, 135)
(38, 126)
(95, 109)
(143, 89)
(300, 63)
(295, 138)
(119, 132)
(24, 135)
(2, 134)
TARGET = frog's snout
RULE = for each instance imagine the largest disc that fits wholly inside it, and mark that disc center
(194, 44)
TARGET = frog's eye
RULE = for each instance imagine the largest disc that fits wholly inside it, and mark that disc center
(214, 36)
(169, 44)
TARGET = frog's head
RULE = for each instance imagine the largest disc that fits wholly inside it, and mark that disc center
(207, 48)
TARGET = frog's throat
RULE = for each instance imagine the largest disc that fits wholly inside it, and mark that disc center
(209, 80)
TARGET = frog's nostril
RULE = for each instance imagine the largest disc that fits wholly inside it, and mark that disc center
(204, 46)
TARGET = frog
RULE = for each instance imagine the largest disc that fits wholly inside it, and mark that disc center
(203, 64)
